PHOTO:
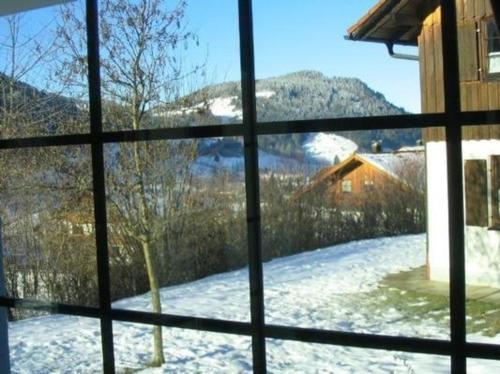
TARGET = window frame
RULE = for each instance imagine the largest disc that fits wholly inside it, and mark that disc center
(484, 48)
(346, 186)
(457, 348)
(369, 185)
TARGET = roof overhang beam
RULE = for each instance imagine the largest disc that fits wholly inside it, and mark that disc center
(405, 20)
(13, 7)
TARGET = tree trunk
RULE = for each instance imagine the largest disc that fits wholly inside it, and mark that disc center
(158, 356)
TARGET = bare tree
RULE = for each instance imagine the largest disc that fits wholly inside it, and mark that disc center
(28, 55)
(141, 70)
(29, 108)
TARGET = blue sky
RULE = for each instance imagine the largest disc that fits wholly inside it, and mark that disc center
(293, 35)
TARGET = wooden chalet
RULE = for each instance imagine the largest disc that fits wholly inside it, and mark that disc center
(362, 175)
(418, 23)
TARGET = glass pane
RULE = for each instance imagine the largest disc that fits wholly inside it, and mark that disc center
(176, 219)
(479, 366)
(349, 220)
(48, 225)
(284, 356)
(55, 344)
(481, 155)
(494, 62)
(43, 92)
(168, 64)
(308, 68)
(186, 351)
(493, 47)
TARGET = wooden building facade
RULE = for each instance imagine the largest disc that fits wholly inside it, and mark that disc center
(479, 64)
(368, 176)
(418, 23)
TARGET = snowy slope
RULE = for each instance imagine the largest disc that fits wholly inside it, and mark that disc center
(209, 165)
(220, 106)
(321, 149)
(329, 147)
(315, 289)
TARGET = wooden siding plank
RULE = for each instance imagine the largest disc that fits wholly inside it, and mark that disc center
(423, 76)
(463, 97)
(495, 131)
(487, 8)
(430, 69)
(438, 56)
(479, 8)
(483, 96)
(434, 83)
(469, 96)
(469, 9)
(497, 84)
(492, 96)
(460, 10)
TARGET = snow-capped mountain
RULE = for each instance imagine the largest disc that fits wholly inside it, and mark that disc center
(296, 96)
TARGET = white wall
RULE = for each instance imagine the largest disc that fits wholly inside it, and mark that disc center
(482, 245)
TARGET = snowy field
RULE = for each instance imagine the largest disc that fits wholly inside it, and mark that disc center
(324, 288)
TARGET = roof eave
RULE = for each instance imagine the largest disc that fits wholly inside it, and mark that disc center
(412, 43)
(365, 24)
(13, 7)
(392, 22)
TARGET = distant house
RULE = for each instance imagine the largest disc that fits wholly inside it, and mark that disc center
(370, 175)
(418, 23)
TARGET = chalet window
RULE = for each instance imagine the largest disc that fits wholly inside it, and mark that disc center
(495, 192)
(476, 193)
(368, 185)
(493, 47)
(346, 186)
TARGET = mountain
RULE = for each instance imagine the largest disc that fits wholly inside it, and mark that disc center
(299, 96)
(295, 96)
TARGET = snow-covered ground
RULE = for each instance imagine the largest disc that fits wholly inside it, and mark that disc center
(324, 288)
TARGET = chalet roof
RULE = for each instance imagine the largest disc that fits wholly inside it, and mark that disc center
(391, 163)
(393, 22)
(12, 7)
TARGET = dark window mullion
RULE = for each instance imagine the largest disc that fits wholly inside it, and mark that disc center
(252, 185)
(99, 187)
(455, 185)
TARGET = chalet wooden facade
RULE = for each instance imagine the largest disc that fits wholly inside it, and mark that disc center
(367, 176)
(418, 23)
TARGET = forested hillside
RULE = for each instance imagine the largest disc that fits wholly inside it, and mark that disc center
(299, 96)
